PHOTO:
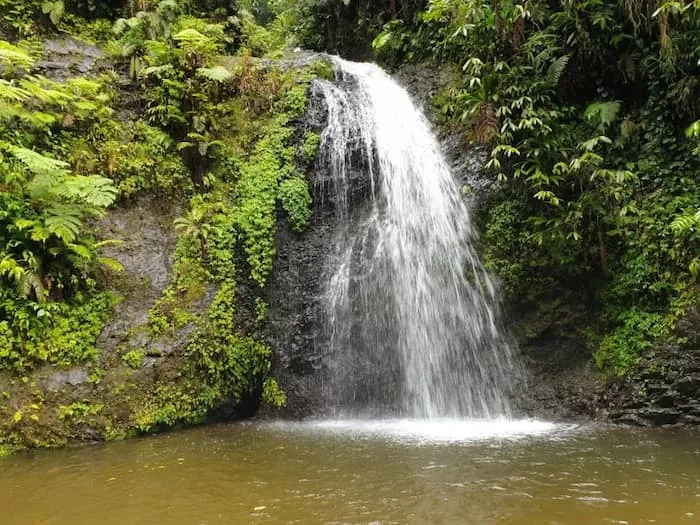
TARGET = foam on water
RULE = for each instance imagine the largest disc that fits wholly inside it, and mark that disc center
(427, 431)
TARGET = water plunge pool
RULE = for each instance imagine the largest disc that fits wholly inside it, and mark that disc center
(378, 472)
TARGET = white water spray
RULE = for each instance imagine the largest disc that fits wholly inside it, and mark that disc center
(411, 324)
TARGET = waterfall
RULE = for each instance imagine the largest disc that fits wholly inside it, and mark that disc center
(411, 326)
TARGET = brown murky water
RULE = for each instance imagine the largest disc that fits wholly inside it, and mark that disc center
(369, 473)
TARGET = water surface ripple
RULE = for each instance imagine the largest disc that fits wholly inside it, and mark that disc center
(393, 472)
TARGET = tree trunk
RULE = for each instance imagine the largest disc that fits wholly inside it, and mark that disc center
(603, 249)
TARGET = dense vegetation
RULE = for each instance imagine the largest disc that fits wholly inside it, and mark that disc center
(590, 110)
(200, 122)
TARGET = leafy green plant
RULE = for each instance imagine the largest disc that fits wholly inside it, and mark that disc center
(134, 358)
(272, 394)
(79, 412)
(309, 150)
(296, 201)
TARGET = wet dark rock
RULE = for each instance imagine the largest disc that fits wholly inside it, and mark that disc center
(147, 240)
(295, 290)
(625, 418)
(688, 385)
(660, 416)
(667, 399)
(52, 380)
(560, 381)
(423, 81)
(664, 388)
(66, 57)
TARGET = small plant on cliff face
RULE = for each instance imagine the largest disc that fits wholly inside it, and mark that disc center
(260, 310)
(79, 412)
(134, 358)
(272, 394)
(296, 201)
(197, 225)
(309, 151)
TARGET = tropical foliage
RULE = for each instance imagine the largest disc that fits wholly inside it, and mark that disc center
(47, 253)
(200, 123)
(585, 107)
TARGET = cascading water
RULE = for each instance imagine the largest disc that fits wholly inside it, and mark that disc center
(411, 325)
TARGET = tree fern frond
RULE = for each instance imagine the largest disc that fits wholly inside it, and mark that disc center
(93, 190)
(12, 93)
(82, 251)
(216, 73)
(156, 70)
(65, 227)
(111, 263)
(14, 56)
(107, 242)
(556, 69)
(40, 233)
(191, 36)
(38, 163)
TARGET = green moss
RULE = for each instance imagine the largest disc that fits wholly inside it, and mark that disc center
(79, 412)
(167, 406)
(270, 164)
(230, 363)
(134, 358)
(220, 365)
(322, 69)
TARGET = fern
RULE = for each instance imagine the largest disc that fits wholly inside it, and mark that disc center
(66, 227)
(110, 263)
(216, 73)
(14, 56)
(11, 93)
(556, 69)
(38, 163)
(191, 36)
(602, 113)
(93, 190)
